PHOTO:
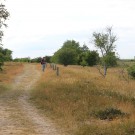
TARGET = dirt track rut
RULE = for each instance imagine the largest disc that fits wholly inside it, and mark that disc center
(17, 115)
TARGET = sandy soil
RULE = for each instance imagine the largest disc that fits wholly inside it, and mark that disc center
(20, 117)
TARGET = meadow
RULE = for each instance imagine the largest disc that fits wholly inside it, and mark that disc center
(7, 75)
(82, 102)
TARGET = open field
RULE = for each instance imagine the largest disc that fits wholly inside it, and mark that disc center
(79, 99)
(10, 71)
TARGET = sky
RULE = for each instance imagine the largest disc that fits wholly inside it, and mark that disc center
(38, 28)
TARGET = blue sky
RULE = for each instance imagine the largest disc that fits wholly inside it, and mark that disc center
(40, 27)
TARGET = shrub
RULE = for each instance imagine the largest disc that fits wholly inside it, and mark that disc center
(131, 71)
(109, 113)
(1, 61)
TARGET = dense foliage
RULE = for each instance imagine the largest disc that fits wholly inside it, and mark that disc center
(131, 71)
(72, 53)
(4, 14)
(67, 56)
(5, 55)
(88, 58)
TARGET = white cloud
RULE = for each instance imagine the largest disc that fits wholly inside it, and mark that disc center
(34, 20)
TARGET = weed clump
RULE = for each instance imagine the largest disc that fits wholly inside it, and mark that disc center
(109, 114)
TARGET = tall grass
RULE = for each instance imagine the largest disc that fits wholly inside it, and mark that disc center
(9, 72)
(73, 98)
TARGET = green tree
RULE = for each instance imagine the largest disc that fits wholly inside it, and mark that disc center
(7, 54)
(1, 60)
(55, 57)
(131, 71)
(92, 58)
(84, 48)
(89, 58)
(48, 58)
(4, 14)
(72, 44)
(110, 59)
(82, 59)
(26, 59)
(83, 63)
(67, 56)
(82, 55)
(105, 43)
(68, 53)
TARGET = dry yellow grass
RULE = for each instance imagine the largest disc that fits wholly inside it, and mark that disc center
(73, 97)
(10, 70)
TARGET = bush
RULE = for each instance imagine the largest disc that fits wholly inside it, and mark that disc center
(109, 113)
(1, 61)
(131, 71)
(67, 56)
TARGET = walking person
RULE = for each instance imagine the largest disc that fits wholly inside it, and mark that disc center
(43, 63)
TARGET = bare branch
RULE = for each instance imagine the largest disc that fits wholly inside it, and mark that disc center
(99, 69)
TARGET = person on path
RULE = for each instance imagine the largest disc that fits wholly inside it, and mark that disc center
(43, 63)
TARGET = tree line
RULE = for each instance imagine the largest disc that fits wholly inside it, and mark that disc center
(71, 53)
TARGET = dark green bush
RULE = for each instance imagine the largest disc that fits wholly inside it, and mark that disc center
(131, 71)
(109, 113)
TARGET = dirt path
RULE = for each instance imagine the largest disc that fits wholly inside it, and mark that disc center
(17, 115)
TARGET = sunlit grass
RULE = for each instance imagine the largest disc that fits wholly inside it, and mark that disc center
(7, 75)
(73, 97)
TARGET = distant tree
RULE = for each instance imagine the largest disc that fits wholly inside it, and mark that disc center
(67, 56)
(105, 43)
(131, 71)
(82, 59)
(26, 59)
(48, 59)
(72, 44)
(35, 60)
(89, 58)
(68, 53)
(92, 58)
(55, 57)
(7, 54)
(82, 55)
(84, 48)
(1, 58)
(110, 59)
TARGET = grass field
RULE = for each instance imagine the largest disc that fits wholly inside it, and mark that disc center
(84, 103)
(10, 70)
(80, 100)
